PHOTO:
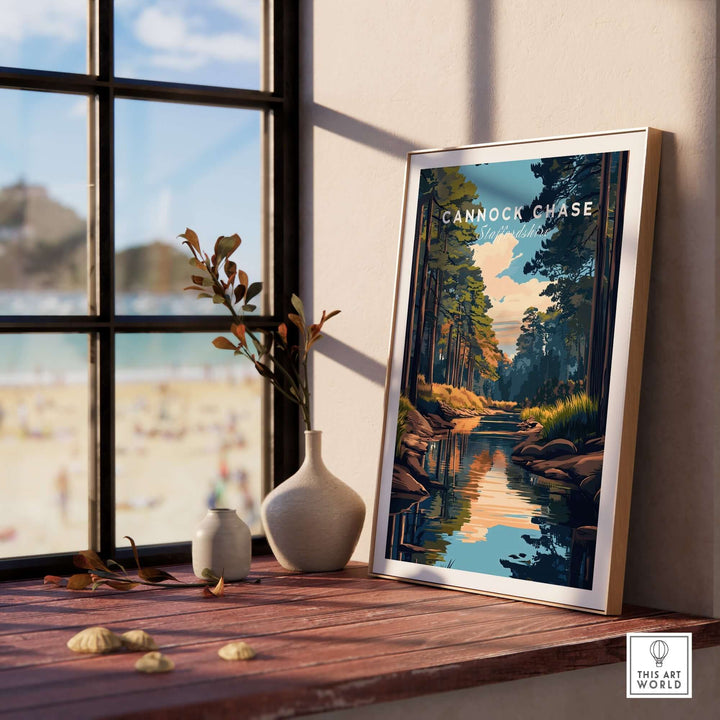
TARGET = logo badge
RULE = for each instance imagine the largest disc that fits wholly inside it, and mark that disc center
(659, 665)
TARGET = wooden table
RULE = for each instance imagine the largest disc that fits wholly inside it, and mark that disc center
(325, 641)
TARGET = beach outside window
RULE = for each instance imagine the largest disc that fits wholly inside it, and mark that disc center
(123, 124)
(188, 435)
(43, 443)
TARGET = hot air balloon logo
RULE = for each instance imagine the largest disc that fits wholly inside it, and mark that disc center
(659, 650)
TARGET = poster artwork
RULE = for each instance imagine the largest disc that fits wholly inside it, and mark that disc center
(505, 374)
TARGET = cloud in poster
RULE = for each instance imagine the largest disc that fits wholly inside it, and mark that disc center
(509, 298)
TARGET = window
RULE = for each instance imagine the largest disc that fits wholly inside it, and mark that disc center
(123, 124)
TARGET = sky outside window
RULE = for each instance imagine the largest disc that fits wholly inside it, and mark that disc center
(177, 166)
(204, 42)
(44, 34)
(181, 166)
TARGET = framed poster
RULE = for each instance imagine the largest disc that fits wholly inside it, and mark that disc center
(513, 382)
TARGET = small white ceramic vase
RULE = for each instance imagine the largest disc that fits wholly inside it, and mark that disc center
(222, 543)
(313, 520)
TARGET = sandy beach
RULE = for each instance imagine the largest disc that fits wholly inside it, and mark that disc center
(182, 445)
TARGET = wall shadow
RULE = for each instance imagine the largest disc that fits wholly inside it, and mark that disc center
(350, 357)
(477, 129)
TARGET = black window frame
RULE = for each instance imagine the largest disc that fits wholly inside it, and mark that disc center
(282, 104)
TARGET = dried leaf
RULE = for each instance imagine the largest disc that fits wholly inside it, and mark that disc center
(204, 295)
(118, 584)
(194, 262)
(264, 370)
(112, 563)
(222, 343)
(225, 247)
(230, 269)
(55, 580)
(297, 303)
(297, 321)
(313, 339)
(242, 278)
(252, 291)
(249, 308)
(89, 560)
(239, 292)
(330, 315)
(218, 299)
(155, 575)
(216, 591)
(208, 574)
(191, 239)
(134, 551)
(282, 332)
(238, 331)
(79, 581)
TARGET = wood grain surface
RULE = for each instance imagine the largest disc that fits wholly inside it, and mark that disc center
(323, 641)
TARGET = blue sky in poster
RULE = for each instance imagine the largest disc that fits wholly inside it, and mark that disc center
(176, 165)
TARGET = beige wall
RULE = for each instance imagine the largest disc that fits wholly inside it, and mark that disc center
(382, 77)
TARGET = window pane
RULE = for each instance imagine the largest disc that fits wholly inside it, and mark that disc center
(44, 34)
(43, 203)
(190, 41)
(188, 436)
(43, 444)
(181, 166)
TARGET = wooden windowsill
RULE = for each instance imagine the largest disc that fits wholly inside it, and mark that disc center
(325, 641)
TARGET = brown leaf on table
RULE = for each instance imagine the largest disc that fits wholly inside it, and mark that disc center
(89, 560)
(216, 591)
(155, 575)
(79, 581)
(55, 580)
(119, 584)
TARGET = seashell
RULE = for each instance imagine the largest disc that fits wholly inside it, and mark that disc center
(236, 651)
(154, 662)
(94, 640)
(138, 640)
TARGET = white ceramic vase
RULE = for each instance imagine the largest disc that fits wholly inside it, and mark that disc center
(313, 520)
(222, 543)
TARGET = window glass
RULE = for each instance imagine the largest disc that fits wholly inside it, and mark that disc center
(181, 166)
(44, 34)
(43, 443)
(204, 42)
(188, 435)
(43, 203)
